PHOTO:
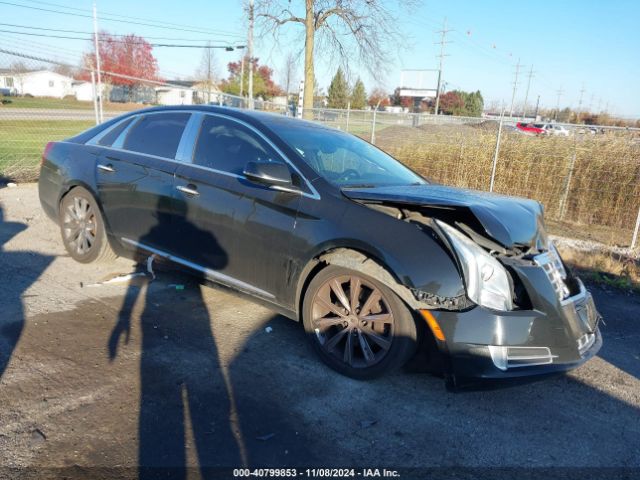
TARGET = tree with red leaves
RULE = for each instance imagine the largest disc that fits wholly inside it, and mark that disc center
(130, 56)
(263, 84)
(379, 97)
(451, 103)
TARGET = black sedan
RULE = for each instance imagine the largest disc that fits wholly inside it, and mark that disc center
(380, 265)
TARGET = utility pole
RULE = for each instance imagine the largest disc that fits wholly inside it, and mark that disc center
(442, 42)
(251, 54)
(580, 104)
(559, 92)
(526, 95)
(593, 96)
(95, 41)
(242, 74)
(535, 116)
(515, 86)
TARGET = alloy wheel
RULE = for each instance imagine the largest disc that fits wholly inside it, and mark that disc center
(352, 321)
(79, 225)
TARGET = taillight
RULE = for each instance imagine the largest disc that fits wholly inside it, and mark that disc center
(47, 149)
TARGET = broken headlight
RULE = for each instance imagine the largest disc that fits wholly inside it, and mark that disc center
(487, 281)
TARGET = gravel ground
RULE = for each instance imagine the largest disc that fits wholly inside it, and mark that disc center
(120, 375)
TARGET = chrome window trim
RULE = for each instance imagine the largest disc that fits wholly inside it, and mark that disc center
(188, 143)
(210, 274)
(119, 142)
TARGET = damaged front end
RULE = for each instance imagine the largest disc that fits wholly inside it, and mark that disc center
(523, 312)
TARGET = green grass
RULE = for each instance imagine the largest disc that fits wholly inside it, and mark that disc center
(22, 143)
(61, 103)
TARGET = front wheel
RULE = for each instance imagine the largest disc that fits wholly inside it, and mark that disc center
(82, 227)
(358, 326)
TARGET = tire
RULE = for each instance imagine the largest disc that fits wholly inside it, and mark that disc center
(82, 228)
(336, 333)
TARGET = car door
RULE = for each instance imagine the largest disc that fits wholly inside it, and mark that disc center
(135, 178)
(237, 230)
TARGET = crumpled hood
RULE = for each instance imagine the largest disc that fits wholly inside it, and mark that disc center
(511, 221)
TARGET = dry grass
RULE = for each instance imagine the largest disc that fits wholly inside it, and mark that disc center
(610, 268)
(604, 185)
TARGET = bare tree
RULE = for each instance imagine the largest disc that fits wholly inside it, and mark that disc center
(339, 27)
(207, 72)
(288, 73)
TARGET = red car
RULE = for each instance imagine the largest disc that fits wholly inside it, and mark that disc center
(532, 128)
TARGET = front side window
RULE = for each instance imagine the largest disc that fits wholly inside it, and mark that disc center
(157, 134)
(228, 146)
(343, 159)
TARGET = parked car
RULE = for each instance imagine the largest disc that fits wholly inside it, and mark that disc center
(555, 129)
(379, 264)
(531, 128)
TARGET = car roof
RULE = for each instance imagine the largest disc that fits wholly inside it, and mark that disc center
(252, 116)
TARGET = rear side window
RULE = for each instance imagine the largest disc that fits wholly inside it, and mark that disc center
(114, 133)
(228, 146)
(158, 134)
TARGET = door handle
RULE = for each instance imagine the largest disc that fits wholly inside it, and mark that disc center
(106, 168)
(189, 189)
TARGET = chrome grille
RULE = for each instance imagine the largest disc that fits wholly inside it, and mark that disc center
(553, 267)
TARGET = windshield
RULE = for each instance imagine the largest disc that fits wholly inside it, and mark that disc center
(343, 159)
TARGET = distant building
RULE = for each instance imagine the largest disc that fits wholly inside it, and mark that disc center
(176, 92)
(39, 83)
(206, 93)
(84, 90)
(7, 81)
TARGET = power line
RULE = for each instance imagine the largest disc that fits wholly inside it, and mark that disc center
(144, 23)
(106, 40)
(30, 27)
(128, 17)
(442, 42)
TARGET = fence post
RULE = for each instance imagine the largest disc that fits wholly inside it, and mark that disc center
(373, 126)
(346, 128)
(567, 185)
(496, 152)
(95, 97)
(635, 231)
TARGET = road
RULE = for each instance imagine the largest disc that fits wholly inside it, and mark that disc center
(52, 114)
(116, 375)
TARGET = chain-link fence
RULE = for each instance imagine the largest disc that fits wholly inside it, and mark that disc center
(588, 178)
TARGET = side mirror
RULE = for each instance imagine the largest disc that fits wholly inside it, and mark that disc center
(268, 173)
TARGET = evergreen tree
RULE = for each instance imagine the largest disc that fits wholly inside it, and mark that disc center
(358, 96)
(338, 91)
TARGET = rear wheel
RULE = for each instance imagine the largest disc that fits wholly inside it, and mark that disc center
(358, 326)
(82, 227)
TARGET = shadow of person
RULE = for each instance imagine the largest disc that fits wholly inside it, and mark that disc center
(24, 268)
(184, 397)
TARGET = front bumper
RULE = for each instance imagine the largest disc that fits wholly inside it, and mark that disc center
(482, 343)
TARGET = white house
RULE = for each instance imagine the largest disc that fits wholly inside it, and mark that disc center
(175, 93)
(84, 91)
(43, 83)
(7, 81)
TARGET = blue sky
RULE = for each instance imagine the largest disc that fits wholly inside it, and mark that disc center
(569, 43)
